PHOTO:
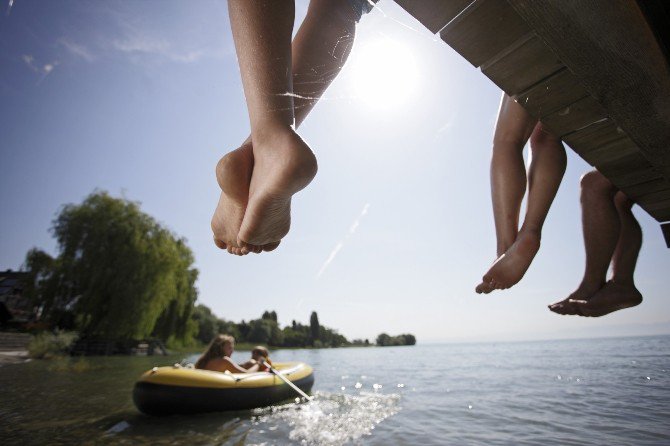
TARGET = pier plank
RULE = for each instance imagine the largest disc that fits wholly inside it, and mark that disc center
(434, 14)
(576, 116)
(552, 94)
(522, 65)
(484, 29)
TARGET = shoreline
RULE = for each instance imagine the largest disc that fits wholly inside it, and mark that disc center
(14, 357)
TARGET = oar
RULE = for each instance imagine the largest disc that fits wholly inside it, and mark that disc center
(287, 381)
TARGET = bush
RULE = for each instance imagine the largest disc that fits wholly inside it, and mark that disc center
(47, 344)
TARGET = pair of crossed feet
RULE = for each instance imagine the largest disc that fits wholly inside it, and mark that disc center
(257, 183)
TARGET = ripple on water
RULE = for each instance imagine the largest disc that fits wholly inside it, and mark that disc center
(332, 419)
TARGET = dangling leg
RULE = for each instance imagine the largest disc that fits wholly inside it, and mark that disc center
(508, 178)
(547, 166)
(601, 226)
(619, 292)
(320, 50)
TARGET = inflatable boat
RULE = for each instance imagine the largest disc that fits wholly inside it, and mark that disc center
(181, 390)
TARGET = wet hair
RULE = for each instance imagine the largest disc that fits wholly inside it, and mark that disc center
(214, 350)
(260, 350)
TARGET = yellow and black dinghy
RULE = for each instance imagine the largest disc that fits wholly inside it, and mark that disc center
(181, 390)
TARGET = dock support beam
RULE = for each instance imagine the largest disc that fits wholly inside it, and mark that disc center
(665, 227)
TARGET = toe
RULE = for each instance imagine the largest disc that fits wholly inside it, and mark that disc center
(483, 288)
(270, 246)
(219, 243)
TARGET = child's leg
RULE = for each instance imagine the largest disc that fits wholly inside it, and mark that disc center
(547, 166)
(508, 171)
(319, 50)
(508, 174)
(601, 226)
(629, 244)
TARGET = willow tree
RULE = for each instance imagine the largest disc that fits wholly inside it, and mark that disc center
(123, 274)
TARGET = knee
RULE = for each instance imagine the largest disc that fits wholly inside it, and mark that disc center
(622, 201)
(595, 182)
(542, 137)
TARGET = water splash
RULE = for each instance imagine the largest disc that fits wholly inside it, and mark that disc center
(332, 419)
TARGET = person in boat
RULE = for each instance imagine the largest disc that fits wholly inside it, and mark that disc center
(613, 235)
(516, 247)
(282, 82)
(217, 357)
(261, 357)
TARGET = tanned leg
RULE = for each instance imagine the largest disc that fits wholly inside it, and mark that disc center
(620, 291)
(545, 172)
(319, 52)
(601, 226)
(508, 177)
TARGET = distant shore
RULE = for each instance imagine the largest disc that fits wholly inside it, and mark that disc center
(14, 357)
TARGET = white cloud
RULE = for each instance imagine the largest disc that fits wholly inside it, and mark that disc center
(9, 6)
(30, 61)
(77, 49)
(44, 70)
(340, 244)
(146, 45)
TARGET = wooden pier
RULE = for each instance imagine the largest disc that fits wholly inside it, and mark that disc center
(595, 72)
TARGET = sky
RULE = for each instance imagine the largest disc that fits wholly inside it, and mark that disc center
(141, 99)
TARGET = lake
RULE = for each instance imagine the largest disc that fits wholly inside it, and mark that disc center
(568, 392)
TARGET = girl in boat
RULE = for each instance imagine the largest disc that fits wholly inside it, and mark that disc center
(217, 357)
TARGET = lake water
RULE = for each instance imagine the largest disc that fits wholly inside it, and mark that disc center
(576, 392)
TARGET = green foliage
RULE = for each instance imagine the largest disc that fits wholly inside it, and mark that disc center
(119, 271)
(47, 345)
(384, 340)
(267, 331)
(207, 322)
(270, 315)
(314, 328)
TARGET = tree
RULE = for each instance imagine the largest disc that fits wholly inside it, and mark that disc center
(265, 331)
(270, 315)
(121, 273)
(314, 327)
(208, 324)
(383, 339)
(404, 339)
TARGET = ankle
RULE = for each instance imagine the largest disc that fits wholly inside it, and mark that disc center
(531, 231)
(623, 280)
(270, 134)
(590, 286)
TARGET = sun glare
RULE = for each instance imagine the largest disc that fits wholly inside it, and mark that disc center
(384, 74)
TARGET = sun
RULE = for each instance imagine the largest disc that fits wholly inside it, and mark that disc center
(384, 73)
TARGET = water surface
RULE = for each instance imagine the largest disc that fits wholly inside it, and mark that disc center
(581, 392)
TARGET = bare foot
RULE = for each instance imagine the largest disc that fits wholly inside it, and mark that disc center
(510, 267)
(282, 167)
(584, 292)
(233, 173)
(612, 297)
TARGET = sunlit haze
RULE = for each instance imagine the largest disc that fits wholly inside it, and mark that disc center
(384, 73)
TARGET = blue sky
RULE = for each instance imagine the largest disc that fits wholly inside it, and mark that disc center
(142, 98)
